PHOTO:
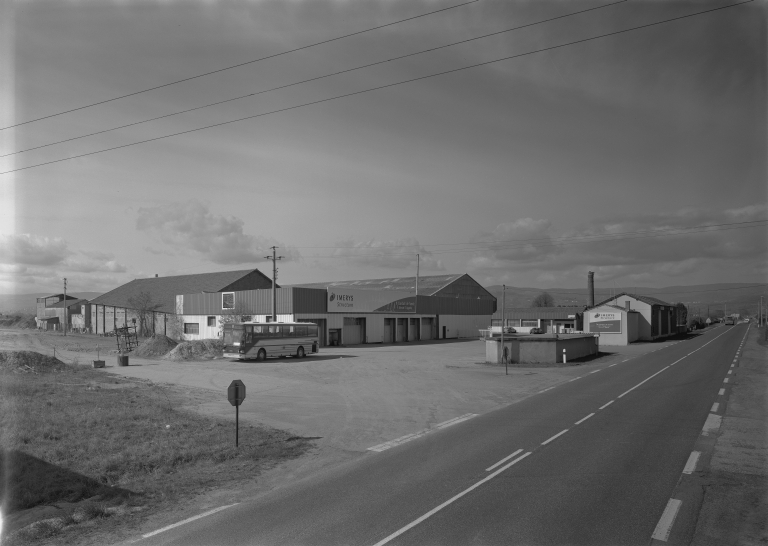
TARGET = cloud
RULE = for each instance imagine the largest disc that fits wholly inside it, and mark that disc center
(36, 263)
(28, 249)
(220, 239)
(398, 254)
(644, 248)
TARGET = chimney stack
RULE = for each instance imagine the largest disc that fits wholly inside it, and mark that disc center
(591, 284)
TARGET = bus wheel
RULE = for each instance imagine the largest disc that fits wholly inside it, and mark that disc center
(300, 352)
(262, 355)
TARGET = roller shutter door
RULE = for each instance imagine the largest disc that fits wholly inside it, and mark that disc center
(354, 331)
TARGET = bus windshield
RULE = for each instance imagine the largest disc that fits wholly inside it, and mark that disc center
(233, 333)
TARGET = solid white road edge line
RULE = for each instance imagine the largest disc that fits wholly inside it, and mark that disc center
(580, 421)
(693, 460)
(435, 510)
(413, 436)
(606, 405)
(667, 519)
(554, 437)
(193, 518)
(504, 460)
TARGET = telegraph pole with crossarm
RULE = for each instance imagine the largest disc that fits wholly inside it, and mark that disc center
(274, 259)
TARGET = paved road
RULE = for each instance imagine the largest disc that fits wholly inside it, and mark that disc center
(592, 461)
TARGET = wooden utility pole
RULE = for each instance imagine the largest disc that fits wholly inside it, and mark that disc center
(65, 306)
(416, 303)
(274, 259)
(503, 313)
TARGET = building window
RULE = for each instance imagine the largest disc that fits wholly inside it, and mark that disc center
(227, 300)
(529, 323)
(191, 328)
(211, 321)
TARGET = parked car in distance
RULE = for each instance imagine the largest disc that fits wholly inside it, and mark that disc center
(509, 330)
(536, 331)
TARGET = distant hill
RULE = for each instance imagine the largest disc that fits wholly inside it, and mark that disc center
(739, 297)
(27, 303)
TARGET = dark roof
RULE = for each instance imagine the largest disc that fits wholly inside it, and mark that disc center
(70, 303)
(163, 290)
(645, 299)
(533, 313)
(428, 284)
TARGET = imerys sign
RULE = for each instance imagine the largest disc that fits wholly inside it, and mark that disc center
(605, 323)
(344, 300)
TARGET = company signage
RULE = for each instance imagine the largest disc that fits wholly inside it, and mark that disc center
(344, 300)
(605, 323)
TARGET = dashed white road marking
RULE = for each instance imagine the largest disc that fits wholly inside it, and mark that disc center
(574, 379)
(612, 365)
(435, 510)
(188, 520)
(580, 421)
(595, 371)
(729, 372)
(725, 380)
(547, 389)
(693, 460)
(504, 460)
(606, 405)
(545, 442)
(408, 437)
(667, 520)
(712, 424)
(721, 392)
(715, 407)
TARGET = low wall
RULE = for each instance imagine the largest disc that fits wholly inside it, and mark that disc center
(542, 348)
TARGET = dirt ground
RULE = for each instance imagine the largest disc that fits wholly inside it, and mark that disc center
(348, 398)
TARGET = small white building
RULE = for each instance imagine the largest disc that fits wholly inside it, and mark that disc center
(656, 318)
(615, 325)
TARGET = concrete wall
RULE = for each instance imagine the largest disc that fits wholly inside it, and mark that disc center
(545, 350)
(463, 326)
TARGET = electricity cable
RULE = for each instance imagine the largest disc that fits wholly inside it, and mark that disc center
(345, 95)
(240, 64)
(313, 79)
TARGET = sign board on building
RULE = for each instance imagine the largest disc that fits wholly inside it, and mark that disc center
(343, 300)
(605, 322)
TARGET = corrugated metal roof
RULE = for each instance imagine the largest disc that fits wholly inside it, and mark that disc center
(70, 303)
(645, 299)
(163, 290)
(428, 284)
(534, 313)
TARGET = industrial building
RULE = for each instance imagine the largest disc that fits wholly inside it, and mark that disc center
(155, 298)
(552, 320)
(51, 313)
(388, 310)
(625, 318)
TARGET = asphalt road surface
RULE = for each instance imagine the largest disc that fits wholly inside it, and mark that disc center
(591, 461)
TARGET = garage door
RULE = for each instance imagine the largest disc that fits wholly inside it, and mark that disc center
(354, 331)
(426, 330)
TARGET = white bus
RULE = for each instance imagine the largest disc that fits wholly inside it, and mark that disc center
(258, 340)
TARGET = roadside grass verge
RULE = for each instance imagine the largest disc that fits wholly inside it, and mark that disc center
(70, 434)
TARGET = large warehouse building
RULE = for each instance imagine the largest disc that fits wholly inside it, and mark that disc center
(350, 312)
(155, 299)
(629, 317)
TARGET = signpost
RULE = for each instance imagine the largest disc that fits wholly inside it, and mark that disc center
(236, 395)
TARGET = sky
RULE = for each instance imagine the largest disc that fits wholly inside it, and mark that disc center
(606, 155)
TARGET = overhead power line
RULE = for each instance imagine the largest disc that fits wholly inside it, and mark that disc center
(241, 64)
(354, 93)
(369, 65)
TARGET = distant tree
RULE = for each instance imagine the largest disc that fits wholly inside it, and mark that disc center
(682, 314)
(144, 306)
(543, 300)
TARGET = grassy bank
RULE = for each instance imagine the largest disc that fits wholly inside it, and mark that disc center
(70, 433)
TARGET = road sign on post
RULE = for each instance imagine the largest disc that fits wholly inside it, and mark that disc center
(236, 395)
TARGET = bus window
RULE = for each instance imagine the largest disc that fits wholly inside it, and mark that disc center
(273, 330)
(290, 331)
(232, 334)
(312, 328)
(258, 330)
(249, 334)
(301, 331)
